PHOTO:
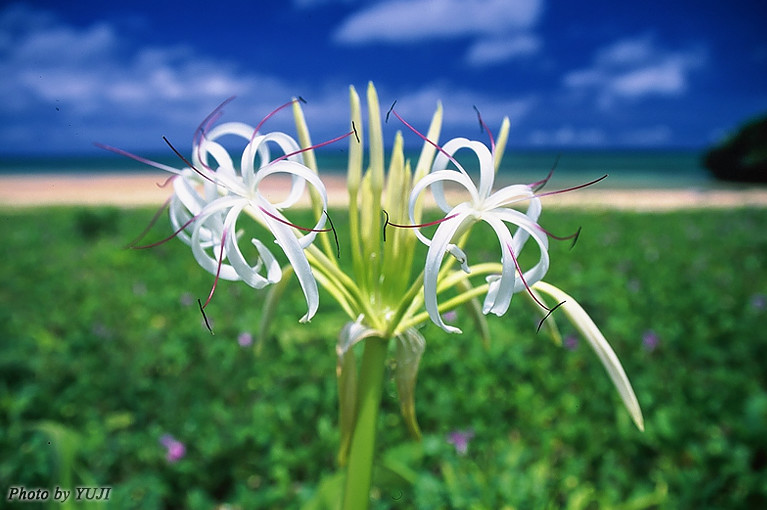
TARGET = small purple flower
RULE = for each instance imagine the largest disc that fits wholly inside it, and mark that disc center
(759, 302)
(571, 342)
(186, 299)
(245, 339)
(175, 449)
(450, 316)
(460, 439)
(650, 340)
(139, 289)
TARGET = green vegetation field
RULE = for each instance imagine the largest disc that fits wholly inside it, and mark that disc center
(103, 352)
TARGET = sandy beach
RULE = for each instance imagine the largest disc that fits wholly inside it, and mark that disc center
(136, 190)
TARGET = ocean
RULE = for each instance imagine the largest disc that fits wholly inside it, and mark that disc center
(625, 169)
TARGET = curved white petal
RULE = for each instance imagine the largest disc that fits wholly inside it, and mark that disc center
(501, 289)
(294, 251)
(486, 166)
(208, 146)
(441, 243)
(211, 217)
(185, 204)
(511, 194)
(288, 146)
(302, 174)
(441, 175)
(528, 228)
(247, 273)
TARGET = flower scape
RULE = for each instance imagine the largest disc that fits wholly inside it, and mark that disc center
(389, 293)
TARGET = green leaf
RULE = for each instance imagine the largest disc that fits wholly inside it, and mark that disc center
(581, 320)
(409, 347)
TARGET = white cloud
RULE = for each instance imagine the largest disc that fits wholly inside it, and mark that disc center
(636, 68)
(498, 30)
(402, 21)
(72, 86)
(491, 51)
(419, 105)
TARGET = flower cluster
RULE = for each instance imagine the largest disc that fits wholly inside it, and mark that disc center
(386, 294)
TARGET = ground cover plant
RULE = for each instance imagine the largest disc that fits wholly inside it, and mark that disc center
(103, 356)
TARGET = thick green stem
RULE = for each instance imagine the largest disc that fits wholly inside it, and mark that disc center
(359, 471)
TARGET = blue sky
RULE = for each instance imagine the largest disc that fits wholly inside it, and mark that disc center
(593, 74)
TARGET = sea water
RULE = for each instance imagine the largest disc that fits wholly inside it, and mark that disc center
(625, 169)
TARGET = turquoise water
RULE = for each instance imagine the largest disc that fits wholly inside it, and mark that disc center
(626, 169)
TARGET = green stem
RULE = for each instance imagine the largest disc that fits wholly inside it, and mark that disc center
(359, 471)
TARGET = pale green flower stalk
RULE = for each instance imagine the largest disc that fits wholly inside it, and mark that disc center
(389, 294)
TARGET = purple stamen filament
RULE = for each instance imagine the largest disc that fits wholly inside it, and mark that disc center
(286, 222)
(218, 272)
(429, 224)
(555, 192)
(321, 144)
(574, 236)
(162, 241)
(135, 157)
(206, 123)
(483, 126)
(422, 136)
(530, 291)
(270, 115)
(307, 229)
(540, 184)
(151, 224)
(188, 163)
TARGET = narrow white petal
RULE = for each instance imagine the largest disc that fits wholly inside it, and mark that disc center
(437, 248)
(485, 158)
(501, 290)
(300, 176)
(288, 145)
(230, 128)
(286, 239)
(527, 228)
(211, 218)
(511, 194)
(449, 175)
(249, 274)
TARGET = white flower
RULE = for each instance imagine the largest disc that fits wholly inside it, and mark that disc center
(483, 205)
(206, 218)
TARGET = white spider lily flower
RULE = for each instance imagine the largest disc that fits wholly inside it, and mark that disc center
(211, 213)
(483, 205)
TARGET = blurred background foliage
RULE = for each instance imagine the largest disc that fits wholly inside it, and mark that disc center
(103, 351)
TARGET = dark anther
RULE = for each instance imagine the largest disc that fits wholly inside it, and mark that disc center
(386, 223)
(186, 161)
(202, 310)
(479, 118)
(390, 110)
(547, 316)
(302, 99)
(335, 235)
(356, 135)
(575, 238)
